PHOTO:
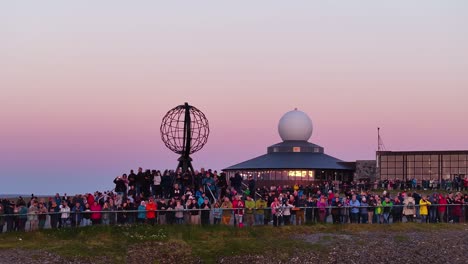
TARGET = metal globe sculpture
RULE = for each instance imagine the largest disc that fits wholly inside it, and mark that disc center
(185, 130)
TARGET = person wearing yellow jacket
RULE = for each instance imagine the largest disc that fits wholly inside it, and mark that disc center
(423, 208)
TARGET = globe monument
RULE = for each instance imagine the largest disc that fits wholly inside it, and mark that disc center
(185, 130)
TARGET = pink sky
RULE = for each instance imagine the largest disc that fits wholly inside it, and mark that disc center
(84, 86)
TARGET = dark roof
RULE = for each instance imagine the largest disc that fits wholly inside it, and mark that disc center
(295, 143)
(291, 160)
(421, 152)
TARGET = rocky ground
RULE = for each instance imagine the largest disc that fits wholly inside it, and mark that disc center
(442, 246)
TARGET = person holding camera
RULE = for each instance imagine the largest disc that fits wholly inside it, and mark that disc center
(423, 208)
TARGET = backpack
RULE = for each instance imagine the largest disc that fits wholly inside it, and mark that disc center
(410, 206)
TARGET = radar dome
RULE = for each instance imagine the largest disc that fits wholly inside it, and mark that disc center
(295, 125)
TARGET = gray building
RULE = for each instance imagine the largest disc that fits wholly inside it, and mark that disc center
(295, 160)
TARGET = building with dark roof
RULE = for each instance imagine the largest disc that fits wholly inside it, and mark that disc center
(295, 160)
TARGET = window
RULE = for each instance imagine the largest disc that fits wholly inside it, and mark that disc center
(418, 158)
(316, 150)
(399, 158)
(296, 149)
(410, 164)
(410, 158)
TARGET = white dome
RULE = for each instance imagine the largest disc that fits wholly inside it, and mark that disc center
(295, 125)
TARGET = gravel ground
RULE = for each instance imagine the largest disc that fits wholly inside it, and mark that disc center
(442, 246)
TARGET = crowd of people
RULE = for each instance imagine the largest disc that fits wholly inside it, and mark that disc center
(152, 197)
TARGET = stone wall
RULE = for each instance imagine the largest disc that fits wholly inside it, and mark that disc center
(366, 169)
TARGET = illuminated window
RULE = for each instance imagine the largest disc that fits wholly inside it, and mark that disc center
(300, 174)
(296, 149)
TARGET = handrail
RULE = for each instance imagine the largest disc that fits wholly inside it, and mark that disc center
(229, 209)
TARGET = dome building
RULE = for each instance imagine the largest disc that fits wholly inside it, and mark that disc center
(295, 160)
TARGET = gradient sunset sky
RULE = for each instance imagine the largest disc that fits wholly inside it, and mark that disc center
(84, 84)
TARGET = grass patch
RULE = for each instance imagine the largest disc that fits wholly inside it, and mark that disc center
(208, 243)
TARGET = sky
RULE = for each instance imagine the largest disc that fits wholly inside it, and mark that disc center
(84, 85)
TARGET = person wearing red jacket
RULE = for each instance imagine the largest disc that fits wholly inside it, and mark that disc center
(96, 213)
(442, 208)
(151, 208)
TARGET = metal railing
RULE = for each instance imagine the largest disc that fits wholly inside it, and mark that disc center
(132, 216)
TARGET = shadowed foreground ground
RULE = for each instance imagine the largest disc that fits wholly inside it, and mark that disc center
(399, 243)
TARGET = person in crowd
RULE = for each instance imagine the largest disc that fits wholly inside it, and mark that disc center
(335, 210)
(179, 213)
(259, 213)
(2, 217)
(371, 209)
(205, 209)
(322, 209)
(42, 215)
(387, 206)
(86, 220)
(54, 211)
(105, 217)
(96, 213)
(397, 210)
(457, 207)
(249, 211)
(277, 212)
(364, 210)
(354, 204)
(238, 207)
(378, 213)
(345, 211)
(424, 208)
(76, 214)
(141, 217)
(251, 185)
(65, 214)
(156, 188)
(194, 210)
(151, 208)
(120, 185)
(442, 208)
(226, 206)
(170, 212)
(33, 219)
(287, 208)
(309, 211)
(409, 207)
(162, 208)
(433, 208)
(217, 214)
(299, 206)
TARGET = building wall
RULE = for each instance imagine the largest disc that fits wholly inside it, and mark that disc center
(436, 165)
(366, 169)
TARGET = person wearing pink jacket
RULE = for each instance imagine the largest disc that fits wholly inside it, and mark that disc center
(96, 213)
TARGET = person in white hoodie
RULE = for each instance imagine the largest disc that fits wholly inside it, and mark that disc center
(65, 214)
